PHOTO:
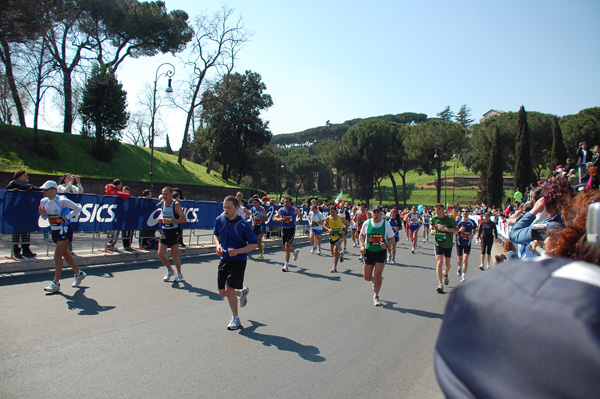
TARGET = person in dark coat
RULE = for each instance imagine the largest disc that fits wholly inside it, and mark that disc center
(21, 241)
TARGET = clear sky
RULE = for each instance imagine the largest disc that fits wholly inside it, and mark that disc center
(339, 60)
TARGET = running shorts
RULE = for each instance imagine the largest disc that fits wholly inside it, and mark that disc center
(288, 235)
(316, 231)
(447, 252)
(170, 237)
(231, 272)
(460, 249)
(371, 257)
(414, 227)
(259, 229)
(67, 234)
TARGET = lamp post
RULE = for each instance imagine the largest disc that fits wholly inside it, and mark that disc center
(169, 74)
(442, 154)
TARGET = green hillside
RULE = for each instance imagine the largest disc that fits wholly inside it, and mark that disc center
(67, 153)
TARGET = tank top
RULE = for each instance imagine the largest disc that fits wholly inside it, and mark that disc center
(414, 218)
(168, 215)
(54, 211)
(336, 227)
(361, 217)
(289, 217)
(375, 237)
(257, 215)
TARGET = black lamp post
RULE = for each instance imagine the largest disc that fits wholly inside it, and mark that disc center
(169, 74)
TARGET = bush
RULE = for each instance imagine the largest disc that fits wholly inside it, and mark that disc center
(104, 150)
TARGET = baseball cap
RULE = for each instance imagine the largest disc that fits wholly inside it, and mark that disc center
(265, 198)
(377, 208)
(394, 211)
(48, 185)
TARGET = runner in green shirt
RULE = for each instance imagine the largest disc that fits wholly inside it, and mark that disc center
(443, 227)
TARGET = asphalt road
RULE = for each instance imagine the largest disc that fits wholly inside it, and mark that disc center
(307, 333)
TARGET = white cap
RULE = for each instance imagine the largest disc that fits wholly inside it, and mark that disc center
(48, 185)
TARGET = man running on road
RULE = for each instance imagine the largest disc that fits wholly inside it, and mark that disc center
(290, 217)
(444, 227)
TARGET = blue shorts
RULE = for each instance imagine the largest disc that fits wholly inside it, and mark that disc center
(316, 231)
(413, 227)
(67, 234)
(426, 225)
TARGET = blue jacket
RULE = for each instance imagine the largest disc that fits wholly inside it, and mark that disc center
(521, 231)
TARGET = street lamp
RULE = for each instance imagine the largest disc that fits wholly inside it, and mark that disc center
(441, 154)
(169, 74)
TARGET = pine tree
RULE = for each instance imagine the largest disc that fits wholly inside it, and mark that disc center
(463, 117)
(495, 181)
(446, 115)
(559, 151)
(523, 174)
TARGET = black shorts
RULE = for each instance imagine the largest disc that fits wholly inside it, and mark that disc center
(460, 249)
(231, 272)
(447, 252)
(67, 234)
(375, 257)
(486, 246)
(258, 229)
(288, 235)
(170, 237)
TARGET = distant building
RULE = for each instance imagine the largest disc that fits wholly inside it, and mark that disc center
(489, 114)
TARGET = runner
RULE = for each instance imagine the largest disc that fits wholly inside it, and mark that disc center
(290, 217)
(414, 224)
(259, 218)
(345, 214)
(395, 222)
(60, 211)
(315, 221)
(487, 233)
(334, 224)
(375, 236)
(171, 217)
(234, 239)
(403, 216)
(354, 226)
(463, 243)
(444, 228)
(242, 210)
(426, 216)
(360, 217)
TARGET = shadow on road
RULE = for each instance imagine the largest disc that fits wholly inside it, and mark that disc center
(87, 306)
(422, 313)
(307, 352)
(349, 273)
(198, 291)
(304, 272)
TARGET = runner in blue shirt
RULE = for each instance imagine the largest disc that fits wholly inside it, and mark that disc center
(234, 238)
(463, 242)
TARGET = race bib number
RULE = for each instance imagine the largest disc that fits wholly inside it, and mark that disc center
(168, 221)
(376, 239)
(336, 233)
(440, 236)
(287, 219)
(465, 235)
(395, 228)
(257, 220)
(54, 220)
(314, 224)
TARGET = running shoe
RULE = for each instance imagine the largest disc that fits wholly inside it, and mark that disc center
(354, 245)
(54, 287)
(333, 270)
(341, 256)
(284, 268)
(78, 278)
(111, 248)
(170, 273)
(393, 261)
(446, 280)
(459, 271)
(296, 252)
(345, 250)
(314, 248)
(481, 267)
(440, 289)
(234, 324)
(488, 266)
(412, 250)
(260, 257)
(462, 280)
(376, 300)
(244, 296)
(179, 278)
(319, 251)
(360, 257)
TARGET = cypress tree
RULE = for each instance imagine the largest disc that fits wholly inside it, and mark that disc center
(524, 174)
(495, 181)
(559, 151)
(168, 148)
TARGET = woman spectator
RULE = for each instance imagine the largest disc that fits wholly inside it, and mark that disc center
(114, 189)
(592, 183)
(70, 184)
(21, 182)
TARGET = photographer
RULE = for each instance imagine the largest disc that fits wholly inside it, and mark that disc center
(583, 156)
(70, 184)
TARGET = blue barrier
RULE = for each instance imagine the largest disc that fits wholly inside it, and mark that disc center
(19, 213)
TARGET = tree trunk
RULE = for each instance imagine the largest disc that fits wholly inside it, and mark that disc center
(403, 176)
(68, 93)
(395, 190)
(439, 182)
(6, 59)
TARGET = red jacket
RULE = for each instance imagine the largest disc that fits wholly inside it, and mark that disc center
(112, 190)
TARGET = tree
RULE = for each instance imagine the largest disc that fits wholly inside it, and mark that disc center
(168, 148)
(233, 127)
(583, 126)
(558, 154)
(463, 117)
(524, 175)
(446, 115)
(214, 45)
(435, 141)
(495, 181)
(104, 106)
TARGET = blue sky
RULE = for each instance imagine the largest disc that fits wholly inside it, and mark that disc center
(339, 60)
